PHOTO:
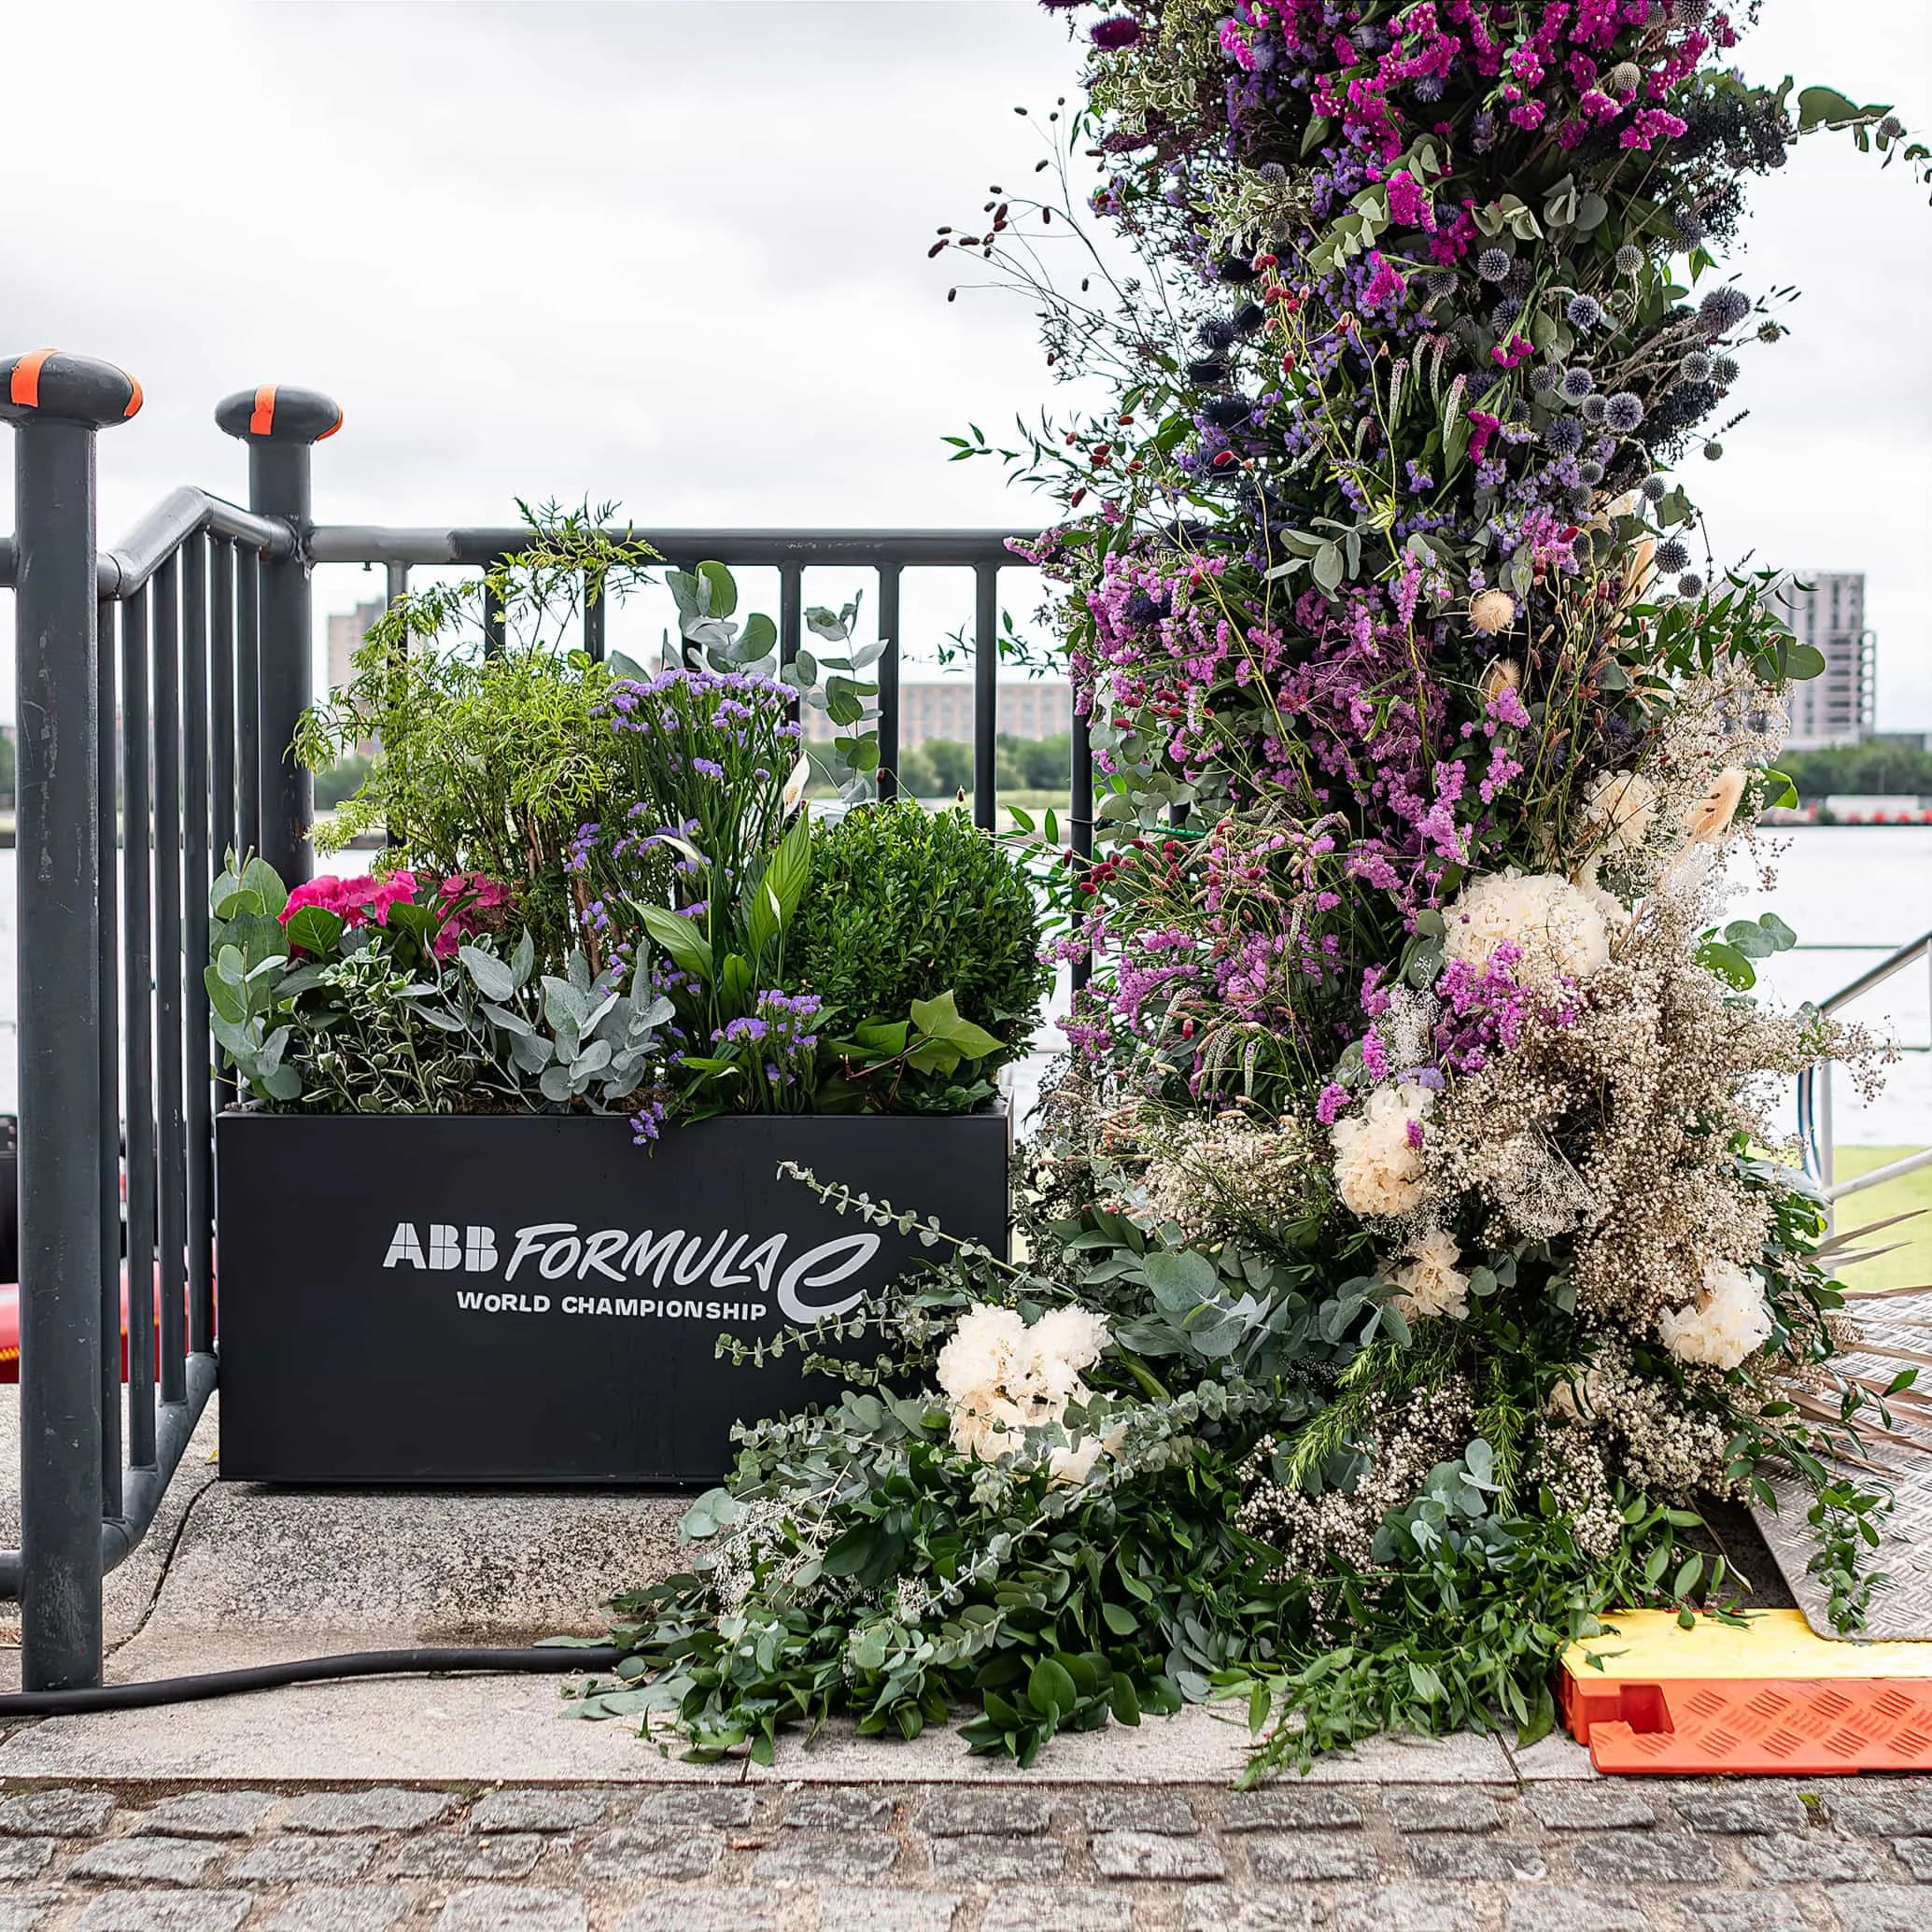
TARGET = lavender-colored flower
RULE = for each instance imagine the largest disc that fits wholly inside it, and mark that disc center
(1492, 264)
(1583, 312)
(1722, 309)
(1504, 312)
(1542, 379)
(1272, 174)
(1689, 225)
(1577, 382)
(1595, 409)
(1623, 412)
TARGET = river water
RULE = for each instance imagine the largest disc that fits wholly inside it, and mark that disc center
(1851, 892)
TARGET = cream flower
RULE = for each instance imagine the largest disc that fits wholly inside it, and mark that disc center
(1378, 1159)
(1491, 611)
(1554, 925)
(1621, 807)
(1710, 817)
(1728, 1321)
(1429, 1281)
(1002, 1378)
(1501, 675)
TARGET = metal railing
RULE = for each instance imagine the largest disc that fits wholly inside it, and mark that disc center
(1815, 1091)
(158, 688)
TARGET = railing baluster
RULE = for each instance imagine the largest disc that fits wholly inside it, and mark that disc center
(173, 1179)
(108, 1045)
(247, 703)
(495, 632)
(791, 617)
(985, 692)
(138, 967)
(221, 731)
(593, 618)
(889, 680)
(196, 879)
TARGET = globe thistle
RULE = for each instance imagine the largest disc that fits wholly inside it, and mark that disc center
(1672, 555)
(1594, 409)
(1625, 77)
(1440, 283)
(1250, 317)
(1272, 174)
(1623, 412)
(1504, 312)
(1583, 312)
(1591, 472)
(1562, 435)
(1713, 451)
(1722, 309)
(1724, 371)
(1577, 382)
(1629, 259)
(1542, 379)
(1111, 36)
(1518, 411)
(1208, 374)
(1769, 331)
(1492, 264)
(1690, 13)
(1690, 584)
(1216, 332)
(1891, 128)
(1228, 412)
(1143, 609)
(1655, 489)
(1430, 88)
(1689, 225)
(1696, 367)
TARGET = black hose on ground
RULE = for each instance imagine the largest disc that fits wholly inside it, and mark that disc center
(560, 1658)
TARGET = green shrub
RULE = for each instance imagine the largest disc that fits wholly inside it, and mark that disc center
(907, 904)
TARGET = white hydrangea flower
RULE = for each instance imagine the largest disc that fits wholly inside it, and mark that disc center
(1554, 925)
(1621, 807)
(1002, 1378)
(1728, 1321)
(1378, 1165)
(1430, 1280)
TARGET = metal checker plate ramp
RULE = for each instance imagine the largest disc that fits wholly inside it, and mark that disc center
(1903, 1609)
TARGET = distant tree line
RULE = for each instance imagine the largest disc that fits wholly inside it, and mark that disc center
(1860, 769)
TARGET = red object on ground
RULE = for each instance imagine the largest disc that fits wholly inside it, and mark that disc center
(10, 1328)
(1819, 1729)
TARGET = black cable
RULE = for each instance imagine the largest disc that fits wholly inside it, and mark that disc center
(562, 1659)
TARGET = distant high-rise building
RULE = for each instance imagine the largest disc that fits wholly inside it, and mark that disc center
(1826, 609)
(943, 708)
(346, 630)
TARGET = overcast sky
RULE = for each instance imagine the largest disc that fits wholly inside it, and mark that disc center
(674, 254)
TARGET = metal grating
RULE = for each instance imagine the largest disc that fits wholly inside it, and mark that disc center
(1904, 1608)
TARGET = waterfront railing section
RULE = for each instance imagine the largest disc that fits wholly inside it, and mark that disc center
(1814, 1088)
(166, 676)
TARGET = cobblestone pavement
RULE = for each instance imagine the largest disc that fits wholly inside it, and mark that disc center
(1605, 1857)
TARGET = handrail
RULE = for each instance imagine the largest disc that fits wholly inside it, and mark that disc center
(122, 572)
(1815, 1091)
(483, 544)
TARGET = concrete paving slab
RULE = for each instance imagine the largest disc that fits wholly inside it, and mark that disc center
(1555, 1756)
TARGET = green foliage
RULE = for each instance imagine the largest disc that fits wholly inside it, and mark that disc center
(556, 1042)
(340, 782)
(247, 963)
(367, 1040)
(489, 761)
(931, 1061)
(909, 905)
(1860, 770)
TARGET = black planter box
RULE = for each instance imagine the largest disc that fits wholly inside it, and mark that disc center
(533, 1299)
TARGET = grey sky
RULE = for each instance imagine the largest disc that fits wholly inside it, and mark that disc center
(674, 254)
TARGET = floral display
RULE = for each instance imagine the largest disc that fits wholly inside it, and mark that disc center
(1411, 1250)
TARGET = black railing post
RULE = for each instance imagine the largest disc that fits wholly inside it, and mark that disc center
(280, 426)
(56, 403)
